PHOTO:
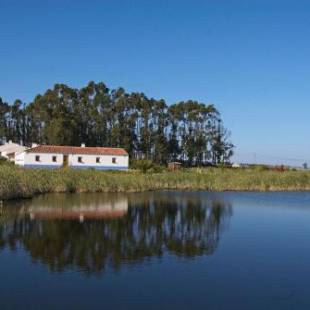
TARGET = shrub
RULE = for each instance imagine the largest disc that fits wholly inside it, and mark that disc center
(146, 165)
(262, 168)
(5, 161)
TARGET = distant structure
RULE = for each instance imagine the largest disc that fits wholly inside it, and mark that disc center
(236, 165)
(9, 150)
(241, 165)
(173, 166)
(55, 156)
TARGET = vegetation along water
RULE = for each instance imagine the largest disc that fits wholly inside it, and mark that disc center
(22, 183)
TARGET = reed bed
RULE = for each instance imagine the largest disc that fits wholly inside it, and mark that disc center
(16, 182)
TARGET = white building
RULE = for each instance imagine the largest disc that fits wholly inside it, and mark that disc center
(9, 150)
(235, 165)
(54, 156)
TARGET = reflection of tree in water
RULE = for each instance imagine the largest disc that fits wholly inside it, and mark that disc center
(184, 226)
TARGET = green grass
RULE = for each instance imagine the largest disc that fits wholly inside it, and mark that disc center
(17, 182)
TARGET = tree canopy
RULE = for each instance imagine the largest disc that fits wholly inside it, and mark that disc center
(147, 128)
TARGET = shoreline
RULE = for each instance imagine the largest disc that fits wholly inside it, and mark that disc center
(19, 183)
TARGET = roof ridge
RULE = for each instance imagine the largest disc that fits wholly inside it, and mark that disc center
(89, 150)
(54, 145)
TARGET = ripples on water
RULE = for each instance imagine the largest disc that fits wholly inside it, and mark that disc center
(162, 244)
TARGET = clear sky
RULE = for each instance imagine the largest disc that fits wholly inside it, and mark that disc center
(250, 58)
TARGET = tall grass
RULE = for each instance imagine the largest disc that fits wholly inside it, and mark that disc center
(17, 182)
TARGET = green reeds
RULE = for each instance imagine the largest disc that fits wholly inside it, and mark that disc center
(17, 182)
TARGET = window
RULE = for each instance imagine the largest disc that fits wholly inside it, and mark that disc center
(54, 159)
(80, 159)
(37, 158)
(113, 160)
(97, 160)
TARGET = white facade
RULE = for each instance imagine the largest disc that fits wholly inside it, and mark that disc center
(10, 150)
(236, 165)
(34, 159)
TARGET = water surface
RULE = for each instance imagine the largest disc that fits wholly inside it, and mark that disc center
(156, 250)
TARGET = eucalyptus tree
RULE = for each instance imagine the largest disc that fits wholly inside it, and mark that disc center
(221, 147)
(147, 128)
(160, 123)
(4, 111)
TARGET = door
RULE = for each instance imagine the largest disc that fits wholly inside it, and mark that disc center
(65, 161)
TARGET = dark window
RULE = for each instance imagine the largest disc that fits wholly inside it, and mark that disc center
(114, 160)
(37, 158)
(80, 159)
(97, 160)
(54, 159)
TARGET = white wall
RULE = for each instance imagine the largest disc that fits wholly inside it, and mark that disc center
(10, 150)
(20, 159)
(105, 160)
(45, 159)
(88, 161)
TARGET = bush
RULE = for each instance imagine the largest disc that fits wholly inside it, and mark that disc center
(5, 161)
(156, 169)
(146, 165)
(262, 168)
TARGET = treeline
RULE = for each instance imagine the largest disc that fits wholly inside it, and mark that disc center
(147, 128)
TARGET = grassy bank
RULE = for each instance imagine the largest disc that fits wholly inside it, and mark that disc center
(22, 183)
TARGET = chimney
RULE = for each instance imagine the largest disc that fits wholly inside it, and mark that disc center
(83, 145)
(34, 145)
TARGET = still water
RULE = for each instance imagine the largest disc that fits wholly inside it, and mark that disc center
(161, 250)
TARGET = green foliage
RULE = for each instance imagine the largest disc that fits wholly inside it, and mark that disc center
(145, 165)
(261, 167)
(21, 183)
(147, 128)
(5, 161)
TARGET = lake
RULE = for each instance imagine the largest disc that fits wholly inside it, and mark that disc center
(156, 250)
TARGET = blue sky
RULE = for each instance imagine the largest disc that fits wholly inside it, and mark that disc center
(249, 58)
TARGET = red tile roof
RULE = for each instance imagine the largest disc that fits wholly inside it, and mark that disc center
(77, 150)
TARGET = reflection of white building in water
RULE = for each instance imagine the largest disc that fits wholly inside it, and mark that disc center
(80, 211)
